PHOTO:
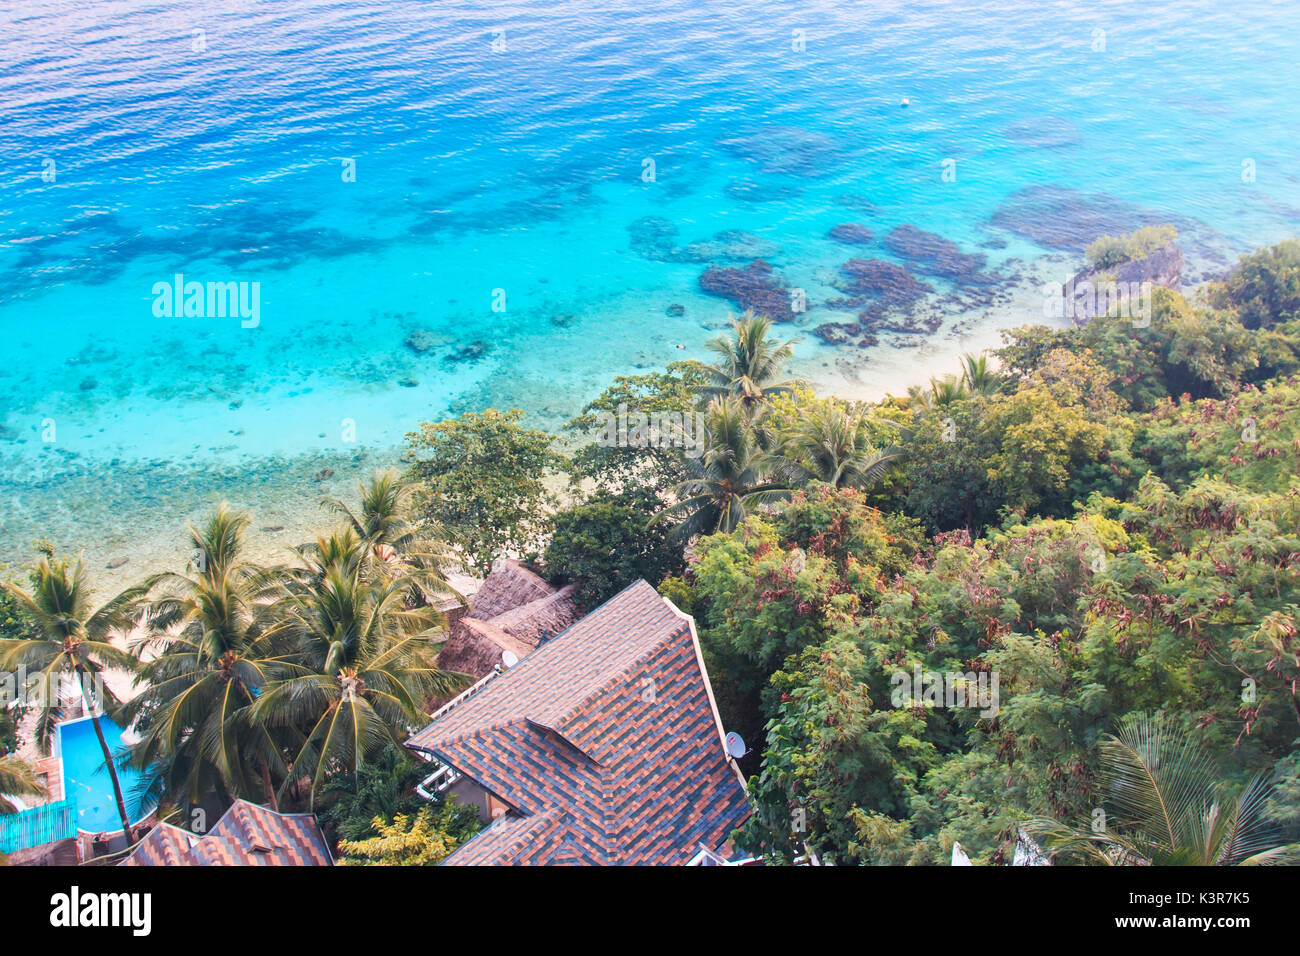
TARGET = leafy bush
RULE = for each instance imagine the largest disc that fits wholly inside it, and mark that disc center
(483, 478)
(1251, 438)
(350, 803)
(1169, 602)
(1107, 252)
(615, 468)
(1265, 286)
(607, 542)
(425, 839)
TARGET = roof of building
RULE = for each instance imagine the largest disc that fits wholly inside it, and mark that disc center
(509, 585)
(513, 611)
(246, 835)
(475, 647)
(544, 617)
(604, 741)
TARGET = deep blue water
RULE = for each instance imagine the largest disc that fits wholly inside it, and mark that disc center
(502, 146)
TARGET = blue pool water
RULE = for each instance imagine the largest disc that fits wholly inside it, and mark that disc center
(85, 776)
(384, 168)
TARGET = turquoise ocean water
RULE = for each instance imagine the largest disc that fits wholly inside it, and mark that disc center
(501, 154)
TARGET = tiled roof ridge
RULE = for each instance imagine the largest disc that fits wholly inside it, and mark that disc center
(524, 829)
(611, 786)
(246, 825)
(601, 690)
(244, 828)
(245, 814)
(164, 833)
(530, 661)
(542, 725)
(609, 805)
(623, 673)
(496, 725)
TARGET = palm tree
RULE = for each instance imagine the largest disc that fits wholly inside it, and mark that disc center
(73, 642)
(978, 377)
(340, 550)
(942, 391)
(17, 779)
(748, 364)
(394, 545)
(729, 478)
(211, 643)
(1168, 808)
(361, 669)
(833, 445)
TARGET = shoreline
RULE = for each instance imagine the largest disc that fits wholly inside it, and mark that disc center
(138, 510)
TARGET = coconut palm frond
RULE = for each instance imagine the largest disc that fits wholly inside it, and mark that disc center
(1166, 808)
(749, 365)
(17, 779)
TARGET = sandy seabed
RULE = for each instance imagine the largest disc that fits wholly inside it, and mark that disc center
(128, 519)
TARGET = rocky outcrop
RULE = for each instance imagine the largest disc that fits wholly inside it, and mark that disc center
(1163, 267)
(934, 254)
(1094, 292)
(1059, 217)
(851, 234)
(756, 287)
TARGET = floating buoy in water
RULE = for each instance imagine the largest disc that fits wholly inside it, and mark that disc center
(906, 102)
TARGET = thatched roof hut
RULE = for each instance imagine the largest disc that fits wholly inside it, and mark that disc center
(544, 617)
(513, 611)
(509, 585)
(475, 647)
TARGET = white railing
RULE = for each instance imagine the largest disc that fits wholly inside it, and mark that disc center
(446, 775)
(439, 780)
(463, 696)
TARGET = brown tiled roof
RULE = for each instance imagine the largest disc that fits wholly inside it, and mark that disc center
(164, 845)
(604, 742)
(246, 835)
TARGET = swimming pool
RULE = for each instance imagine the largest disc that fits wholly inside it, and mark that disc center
(85, 776)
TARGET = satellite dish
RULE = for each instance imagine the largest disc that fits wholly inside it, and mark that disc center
(736, 745)
(509, 659)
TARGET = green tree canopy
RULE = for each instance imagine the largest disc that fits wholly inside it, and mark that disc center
(483, 477)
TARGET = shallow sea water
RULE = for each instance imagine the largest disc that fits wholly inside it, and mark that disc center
(501, 153)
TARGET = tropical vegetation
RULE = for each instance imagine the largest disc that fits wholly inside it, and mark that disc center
(1089, 535)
